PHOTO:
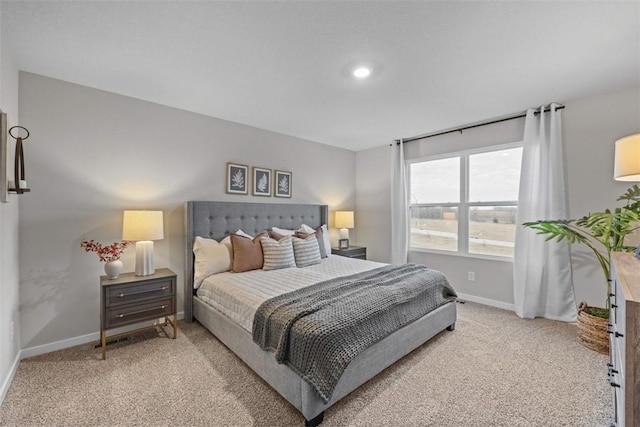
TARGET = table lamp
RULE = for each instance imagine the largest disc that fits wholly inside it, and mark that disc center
(143, 227)
(344, 221)
(626, 165)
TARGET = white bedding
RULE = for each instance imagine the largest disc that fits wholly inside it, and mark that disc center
(238, 295)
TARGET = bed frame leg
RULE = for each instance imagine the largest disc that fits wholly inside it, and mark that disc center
(451, 327)
(315, 421)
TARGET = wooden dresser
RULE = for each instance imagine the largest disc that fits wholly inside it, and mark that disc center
(624, 330)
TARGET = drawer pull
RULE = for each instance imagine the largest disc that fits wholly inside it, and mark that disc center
(122, 295)
(121, 315)
(618, 334)
(609, 326)
(614, 384)
(614, 306)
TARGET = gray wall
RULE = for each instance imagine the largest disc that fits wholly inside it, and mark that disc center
(590, 127)
(9, 277)
(94, 154)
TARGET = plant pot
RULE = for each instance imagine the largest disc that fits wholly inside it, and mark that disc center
(592, 330)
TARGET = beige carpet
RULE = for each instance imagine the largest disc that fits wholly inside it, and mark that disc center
(495, 369)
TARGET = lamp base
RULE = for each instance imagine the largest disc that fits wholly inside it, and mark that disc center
(144, 258)
(344, 233)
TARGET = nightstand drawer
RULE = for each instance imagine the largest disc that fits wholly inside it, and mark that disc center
(133, 313)
(129, 293)
(358, 252)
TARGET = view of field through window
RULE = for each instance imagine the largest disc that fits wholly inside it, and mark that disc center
(493, 182)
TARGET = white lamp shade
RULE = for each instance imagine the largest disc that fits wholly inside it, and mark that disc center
(344, 219)
(142, 225)
(627, 159)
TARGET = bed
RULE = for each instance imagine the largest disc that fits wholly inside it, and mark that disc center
(215, 220)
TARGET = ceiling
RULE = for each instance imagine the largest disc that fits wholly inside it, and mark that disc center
(285, 65)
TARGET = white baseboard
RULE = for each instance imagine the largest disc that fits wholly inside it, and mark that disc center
(59, 345)
(7, 382)
(72, 342)
(486, 301)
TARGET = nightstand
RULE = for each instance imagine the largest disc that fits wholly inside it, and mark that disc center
(359, 252)
(133, 299)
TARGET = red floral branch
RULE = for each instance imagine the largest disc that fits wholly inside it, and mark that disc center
(106, 253)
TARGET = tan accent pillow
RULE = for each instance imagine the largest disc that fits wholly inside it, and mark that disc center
(275, 236)
(247, 253)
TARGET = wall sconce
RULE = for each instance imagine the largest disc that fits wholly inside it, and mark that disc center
(626, 166)
(143, 227)
(19, 184)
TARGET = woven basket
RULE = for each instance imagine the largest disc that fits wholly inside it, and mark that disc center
(592, 330)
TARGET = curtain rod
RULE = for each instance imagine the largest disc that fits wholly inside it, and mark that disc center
(475, 125)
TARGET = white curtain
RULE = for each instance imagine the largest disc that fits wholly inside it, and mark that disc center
(399, 205)
(542, 270)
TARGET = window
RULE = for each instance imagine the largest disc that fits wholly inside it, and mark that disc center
(467, 202)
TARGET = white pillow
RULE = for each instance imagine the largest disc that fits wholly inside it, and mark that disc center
(211, 258)
(325, 236)
(282, 231)
(277, 253)
(306, 251)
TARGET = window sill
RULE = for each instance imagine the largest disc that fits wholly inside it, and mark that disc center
(461, 255)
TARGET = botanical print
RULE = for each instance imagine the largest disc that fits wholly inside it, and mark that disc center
(237, 179)
(283, 184)
(261, 182)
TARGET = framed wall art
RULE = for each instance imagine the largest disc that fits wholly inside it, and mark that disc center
(261, 182)
(237, 179)
(282, 184)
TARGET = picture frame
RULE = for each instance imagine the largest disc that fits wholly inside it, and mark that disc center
(237, 178)
(343, 243)
(261, 182)
(282, 184)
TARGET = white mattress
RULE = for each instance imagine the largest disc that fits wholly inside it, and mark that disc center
(238, 295)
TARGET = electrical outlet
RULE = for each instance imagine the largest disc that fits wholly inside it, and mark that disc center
(471, 276)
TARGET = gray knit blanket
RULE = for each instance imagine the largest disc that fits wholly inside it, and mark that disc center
(319, 329)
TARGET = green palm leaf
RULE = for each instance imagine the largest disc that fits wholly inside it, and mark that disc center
(602, 232)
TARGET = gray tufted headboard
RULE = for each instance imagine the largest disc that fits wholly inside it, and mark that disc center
(215, 220)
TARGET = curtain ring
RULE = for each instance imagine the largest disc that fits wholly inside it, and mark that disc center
(19, 127)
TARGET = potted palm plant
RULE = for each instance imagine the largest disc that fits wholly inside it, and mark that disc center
(603, 233)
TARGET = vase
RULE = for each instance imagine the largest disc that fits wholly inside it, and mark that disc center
(113, 269)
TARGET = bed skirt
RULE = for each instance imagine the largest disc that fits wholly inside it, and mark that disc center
(364, 367)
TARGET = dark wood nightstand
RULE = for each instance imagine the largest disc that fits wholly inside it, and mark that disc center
(359, 252)
(133, 299)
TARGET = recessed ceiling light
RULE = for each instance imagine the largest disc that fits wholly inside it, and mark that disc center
(361, 72)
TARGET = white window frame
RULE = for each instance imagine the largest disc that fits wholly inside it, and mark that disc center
(464, 204)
